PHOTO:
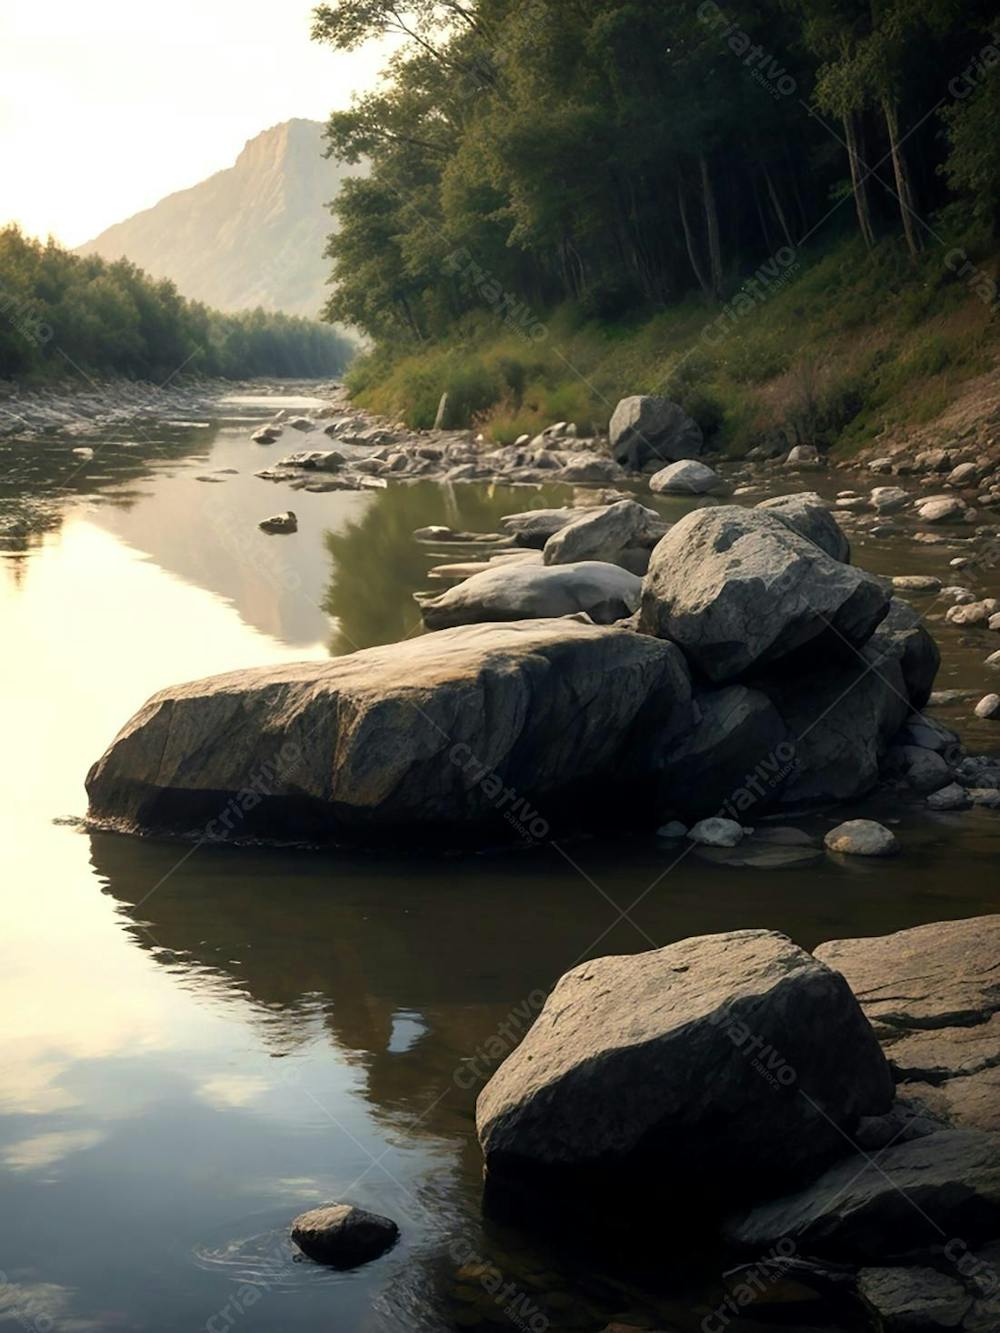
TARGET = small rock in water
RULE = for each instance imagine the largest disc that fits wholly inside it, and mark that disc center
(862, 837)
(286, 522)
(84, 452)
(716, 832)
(266, 435)
(994, 659)
(916, 583)
(952, 797)
(985, 796)
(342, 1235)
(906, 1300)
(675, 829)
(988, 707)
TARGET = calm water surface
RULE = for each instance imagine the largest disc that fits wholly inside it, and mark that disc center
(198, 1046)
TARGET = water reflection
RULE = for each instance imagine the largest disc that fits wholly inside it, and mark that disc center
(376, 566)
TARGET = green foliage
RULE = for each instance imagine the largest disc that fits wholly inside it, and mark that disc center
(61, 313)
(622, 157)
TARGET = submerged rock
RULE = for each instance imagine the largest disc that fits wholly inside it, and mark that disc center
(466, 730)
(738, 588)
(704, 1063)
(343, 1236)
(286, 522)
(525, 591)
(716, 832)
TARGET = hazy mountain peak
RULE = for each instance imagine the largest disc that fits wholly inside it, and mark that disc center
(252, 234)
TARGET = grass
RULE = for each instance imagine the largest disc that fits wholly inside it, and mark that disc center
(846, 346)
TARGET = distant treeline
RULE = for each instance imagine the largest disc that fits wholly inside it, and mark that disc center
(621, 154)
(60, 312)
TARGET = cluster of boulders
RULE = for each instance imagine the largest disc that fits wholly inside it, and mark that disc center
(836, 1112)
(753, 670)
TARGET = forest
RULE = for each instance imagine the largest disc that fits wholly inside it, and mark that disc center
(623, 154)
(63, 314)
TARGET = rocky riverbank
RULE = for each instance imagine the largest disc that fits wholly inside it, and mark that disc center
(833, 1117)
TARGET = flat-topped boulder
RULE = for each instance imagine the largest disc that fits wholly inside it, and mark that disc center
(730, 1061)
(526, 591)
(738, 589)
(480, 728)
(932, 994)
(535, 526)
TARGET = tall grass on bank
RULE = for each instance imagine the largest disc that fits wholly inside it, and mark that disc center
(847, 345)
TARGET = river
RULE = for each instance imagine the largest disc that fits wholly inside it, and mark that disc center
(198, 1046)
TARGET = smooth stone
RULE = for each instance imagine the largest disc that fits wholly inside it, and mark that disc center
(717, 832)
(862, 837)
(803, 455)
(988, 707)
(687, 477)
(985, 796)
(673, 829)
(526, 592)
(536, 526)
(923, 769)
(916, 583)
(943, 509)
(342, 1235)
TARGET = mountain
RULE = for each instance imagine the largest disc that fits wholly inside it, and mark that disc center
(252, 235)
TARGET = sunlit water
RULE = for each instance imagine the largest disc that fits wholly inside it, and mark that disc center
(198, 1046)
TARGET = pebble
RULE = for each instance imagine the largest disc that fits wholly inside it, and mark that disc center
(716, 832)
(988, 707)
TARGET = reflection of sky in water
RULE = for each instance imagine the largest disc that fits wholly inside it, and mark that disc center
(407, 1029)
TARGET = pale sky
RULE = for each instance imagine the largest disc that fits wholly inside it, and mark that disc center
(107, 106)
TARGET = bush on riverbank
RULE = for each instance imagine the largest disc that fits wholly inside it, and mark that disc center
(60, 312)
(840, 348)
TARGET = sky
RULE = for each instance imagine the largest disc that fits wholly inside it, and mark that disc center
(107, 106)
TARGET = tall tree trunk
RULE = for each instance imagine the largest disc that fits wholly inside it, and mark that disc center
(859, 184)
(711, 228)
(779, 211)
(761, 218)
(913, 241)
(699, 272)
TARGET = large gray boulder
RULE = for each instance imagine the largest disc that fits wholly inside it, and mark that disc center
(902, 640)
(807, 514)
(905, 1199)
(727, 1060)
(471, 729)
(647, 427)
(605, 533)
(525, 591)
(738, 588)
(932, 994)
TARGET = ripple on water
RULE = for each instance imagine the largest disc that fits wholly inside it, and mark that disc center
(267, 1259)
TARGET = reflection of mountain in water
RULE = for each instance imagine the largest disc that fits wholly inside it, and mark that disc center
(377, 565)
